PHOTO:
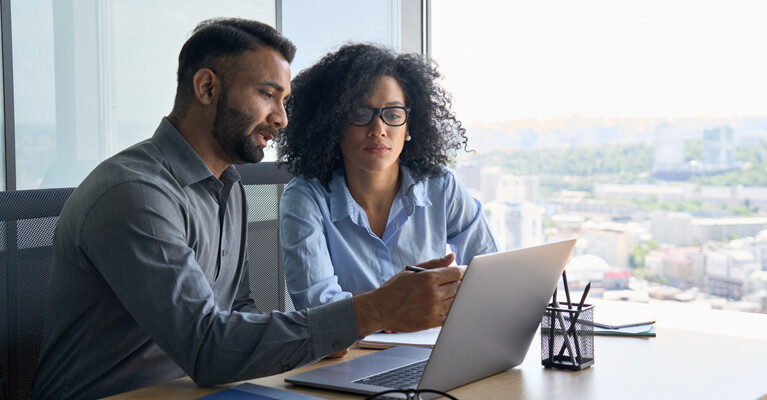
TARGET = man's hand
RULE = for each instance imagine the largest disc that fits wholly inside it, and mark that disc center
(337, 354)
(410, 301)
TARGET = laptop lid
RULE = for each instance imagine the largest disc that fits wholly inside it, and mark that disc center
(489, 327)
(495, 314)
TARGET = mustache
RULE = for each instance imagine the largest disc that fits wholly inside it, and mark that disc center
(267, 128)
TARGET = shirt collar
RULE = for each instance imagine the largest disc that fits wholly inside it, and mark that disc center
(185, 164)
(342, 204)
(413, 193)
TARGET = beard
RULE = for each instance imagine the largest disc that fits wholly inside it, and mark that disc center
(230, 128)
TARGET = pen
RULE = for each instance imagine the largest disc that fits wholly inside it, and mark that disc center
(580, 307)
(566, 337)
(414, 268)
(552, 326)
(574, 321)
(567, 289)
(566, 330)
(583, 296)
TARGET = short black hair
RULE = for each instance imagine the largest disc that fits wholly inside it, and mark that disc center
(214, 44)
(324, 94)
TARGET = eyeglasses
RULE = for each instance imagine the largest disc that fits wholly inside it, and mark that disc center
(392, 116)
(409, 394)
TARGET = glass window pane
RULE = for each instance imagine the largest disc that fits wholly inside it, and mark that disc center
(376, 21)
(93, 77)
(638, 127)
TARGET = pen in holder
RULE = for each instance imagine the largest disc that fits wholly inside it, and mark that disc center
(567, 336)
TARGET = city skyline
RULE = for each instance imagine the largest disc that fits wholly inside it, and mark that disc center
(532, 133)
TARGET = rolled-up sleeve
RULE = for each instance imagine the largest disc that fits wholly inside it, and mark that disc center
(137, 236)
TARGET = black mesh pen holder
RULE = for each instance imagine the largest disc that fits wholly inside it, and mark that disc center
(567, 337)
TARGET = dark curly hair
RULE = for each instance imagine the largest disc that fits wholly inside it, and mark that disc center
(324, 94)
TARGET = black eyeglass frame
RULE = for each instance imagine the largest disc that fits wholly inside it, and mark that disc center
(412, 394)
(379, 112)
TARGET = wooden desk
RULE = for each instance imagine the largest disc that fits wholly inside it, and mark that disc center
(677, 364)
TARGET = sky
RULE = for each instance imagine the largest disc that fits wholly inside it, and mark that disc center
(506, 60)
(503, 59)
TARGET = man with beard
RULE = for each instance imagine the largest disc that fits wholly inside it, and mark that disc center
(150, 274)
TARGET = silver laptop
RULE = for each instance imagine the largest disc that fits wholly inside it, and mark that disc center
(488, 330)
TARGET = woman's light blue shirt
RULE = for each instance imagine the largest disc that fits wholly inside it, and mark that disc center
(330, 252)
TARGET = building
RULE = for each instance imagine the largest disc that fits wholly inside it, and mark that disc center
(727, 271)
(716, 229)
(718, 149)
(587, 268)
(683, 229)
(470, 175)
(612, 242)
(515, 225)
(734, 195)
(682, 267)
(669, 149)
(662, 193)
(488, 183)
(671, 227)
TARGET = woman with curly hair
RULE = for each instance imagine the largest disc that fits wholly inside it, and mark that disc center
(370, 135)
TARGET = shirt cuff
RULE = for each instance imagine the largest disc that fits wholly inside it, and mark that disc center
(332, 327)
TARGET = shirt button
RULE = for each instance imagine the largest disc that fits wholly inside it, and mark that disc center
(336, 346)
(223, 253)
(285, 368)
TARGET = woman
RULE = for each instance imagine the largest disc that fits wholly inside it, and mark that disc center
(369, 137)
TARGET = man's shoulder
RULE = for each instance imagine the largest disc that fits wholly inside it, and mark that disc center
(141, 165)
(140, 162)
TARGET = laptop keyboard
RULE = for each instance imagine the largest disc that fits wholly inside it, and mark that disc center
(405, 377)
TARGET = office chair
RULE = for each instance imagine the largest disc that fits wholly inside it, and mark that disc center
(264, 183)
(27, 221)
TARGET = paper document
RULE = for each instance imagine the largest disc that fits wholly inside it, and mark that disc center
(615, 314)
(425, 338)
(636, 330)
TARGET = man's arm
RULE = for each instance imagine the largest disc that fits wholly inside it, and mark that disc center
(409, 301)
(135, 236)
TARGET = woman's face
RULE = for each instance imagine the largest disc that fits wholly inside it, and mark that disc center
(376, 147)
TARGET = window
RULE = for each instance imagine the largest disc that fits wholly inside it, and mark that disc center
(317, 28)
(91, 78)
(638, 127)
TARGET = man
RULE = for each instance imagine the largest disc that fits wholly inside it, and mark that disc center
(150, 272)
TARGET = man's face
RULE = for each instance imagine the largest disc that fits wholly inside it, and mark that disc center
(250, 108)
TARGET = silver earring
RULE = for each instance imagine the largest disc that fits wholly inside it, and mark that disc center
(408, 137)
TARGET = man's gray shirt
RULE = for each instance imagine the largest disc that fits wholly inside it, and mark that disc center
(150, 282)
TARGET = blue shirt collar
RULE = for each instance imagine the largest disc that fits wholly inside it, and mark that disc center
(342, 204)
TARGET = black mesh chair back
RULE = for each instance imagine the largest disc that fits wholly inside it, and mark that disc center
(27, 221)
(264, 183)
